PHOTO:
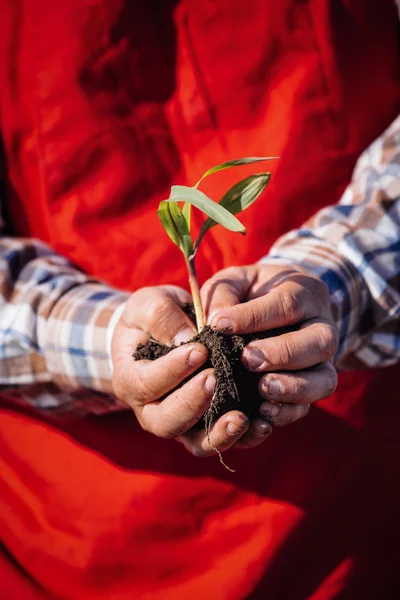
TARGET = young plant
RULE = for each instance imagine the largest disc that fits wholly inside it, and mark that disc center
(176, 218)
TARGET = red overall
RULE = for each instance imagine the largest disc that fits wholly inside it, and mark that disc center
(103, 106)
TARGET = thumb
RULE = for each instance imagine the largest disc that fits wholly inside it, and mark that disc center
(224, 290)
(158, 311)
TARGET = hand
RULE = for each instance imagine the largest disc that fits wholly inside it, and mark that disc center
(157, 312)
(298, 364)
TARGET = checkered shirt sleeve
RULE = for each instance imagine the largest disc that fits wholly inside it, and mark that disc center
(56, 323)
(354, 247)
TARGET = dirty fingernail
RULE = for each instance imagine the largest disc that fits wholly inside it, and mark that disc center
(264, 429)
(269, 409)
(196, 358)
(210, 384)
(273, 387)
(183, 336)
(222, 324)
(235, 428)
(254, 358)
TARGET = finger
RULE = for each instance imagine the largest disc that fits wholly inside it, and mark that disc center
(225, 289)
(140, 382)
(223, 435)
(125, 341)
(181, 410)
(315, 342)
(300, 387)
(158, 311)
(288, 304)
(280, 414)
(258, 431)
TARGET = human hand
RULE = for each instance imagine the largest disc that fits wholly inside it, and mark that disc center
(297, 365)
(148, 387)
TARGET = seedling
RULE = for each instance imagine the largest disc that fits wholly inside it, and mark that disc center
(175, 216)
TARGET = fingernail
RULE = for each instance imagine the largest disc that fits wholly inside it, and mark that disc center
(223, 324)
(183, 336)
(269, 409)
(196, 358)
(210, 384)
(254, 358)
(234, 428)
(264, 429)
(273, 387)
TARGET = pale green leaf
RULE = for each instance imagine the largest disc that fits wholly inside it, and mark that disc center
(234, 163)
(168, 223)
(175, 225)
(186, 211)
(238, 198)
(182, 227)
(209, 207)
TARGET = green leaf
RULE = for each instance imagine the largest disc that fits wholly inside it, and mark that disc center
(238, 198)
(186, 210)
(164, 214)
(234, 163)
(183, 229)
(176, 226)
(209, 207)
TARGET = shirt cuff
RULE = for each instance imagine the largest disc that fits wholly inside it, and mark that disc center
(76, 336)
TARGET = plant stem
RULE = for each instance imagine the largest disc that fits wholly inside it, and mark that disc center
(194, 288)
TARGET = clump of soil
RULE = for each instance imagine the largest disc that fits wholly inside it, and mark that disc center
(235, 388)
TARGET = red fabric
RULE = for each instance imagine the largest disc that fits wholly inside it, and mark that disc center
(103, 107)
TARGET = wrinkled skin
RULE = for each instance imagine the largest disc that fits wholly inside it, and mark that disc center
(297, 366)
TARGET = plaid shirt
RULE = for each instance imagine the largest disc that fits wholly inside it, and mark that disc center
(56, 326)
(56, 323)
(354, 247)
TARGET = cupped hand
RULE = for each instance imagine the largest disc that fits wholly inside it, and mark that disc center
(151, 389)
(298, 364)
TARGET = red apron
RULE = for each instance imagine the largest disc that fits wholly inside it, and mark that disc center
(103, 106)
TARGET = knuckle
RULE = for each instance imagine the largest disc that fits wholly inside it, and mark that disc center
(320, 289)
(291, 307)
(286, 388)
(225, 276)
(255, 318)
(136, 299)
(327, 341)
(158, 310)
(209, 285)
(282, 354)
(299, 388)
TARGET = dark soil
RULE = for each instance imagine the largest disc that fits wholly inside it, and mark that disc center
(235, 388)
